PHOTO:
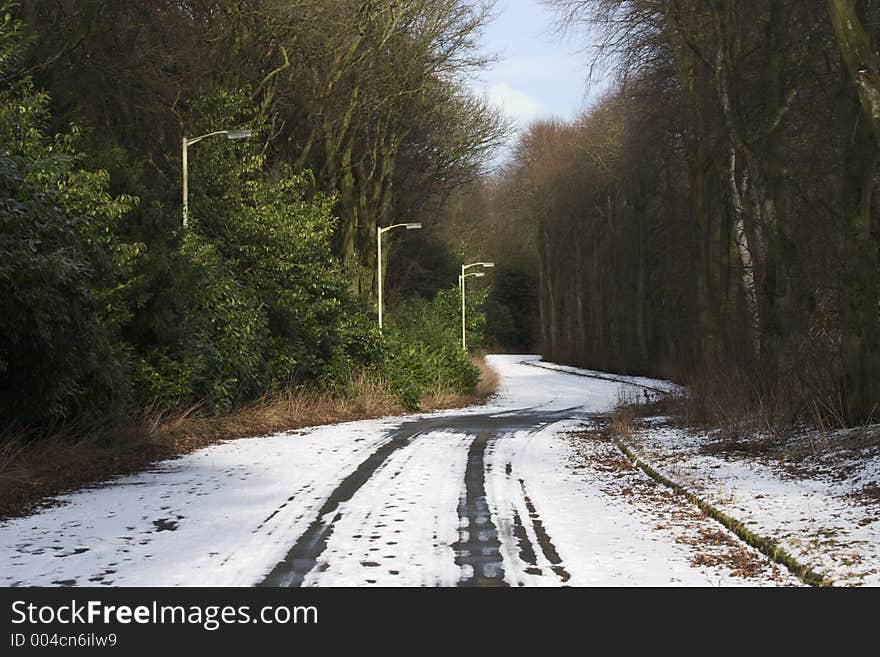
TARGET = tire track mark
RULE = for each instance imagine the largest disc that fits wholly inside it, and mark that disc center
(544, 541)
(478, 545)
(478, 550)
(303, 556)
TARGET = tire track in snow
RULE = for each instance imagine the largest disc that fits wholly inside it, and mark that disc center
(478, 550)
(303, 556)
(526, 550)
(530, 554)
(479, 555)
(529, 542)
(544, 541)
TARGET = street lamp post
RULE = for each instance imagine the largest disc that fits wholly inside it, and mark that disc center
(379, 233)
(232, 135)
(461, 284)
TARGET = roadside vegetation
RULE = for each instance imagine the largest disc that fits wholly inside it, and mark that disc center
(713, 219)
(41, 464)
(126, 336)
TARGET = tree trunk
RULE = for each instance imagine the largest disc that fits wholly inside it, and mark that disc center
(860, 304)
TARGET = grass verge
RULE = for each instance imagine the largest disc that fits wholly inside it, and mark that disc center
(35, 467)
(620, 428)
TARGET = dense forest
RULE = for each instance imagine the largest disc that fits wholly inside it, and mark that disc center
(713, 218)
(347, 116)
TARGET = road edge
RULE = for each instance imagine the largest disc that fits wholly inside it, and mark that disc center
(593, 376)
(766, 546)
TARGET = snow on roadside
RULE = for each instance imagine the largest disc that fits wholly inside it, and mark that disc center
(222, 516)
(658, 384)
(541, 388)
(814, 512)
(811, 512)
(603, 534)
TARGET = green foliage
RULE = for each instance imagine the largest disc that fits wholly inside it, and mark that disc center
(219, 355)
(278, 244)
(361, 338)
(442, 316)
(422, 347)
(414, 367)
(105, 300)
(262, 295)
(61, 271)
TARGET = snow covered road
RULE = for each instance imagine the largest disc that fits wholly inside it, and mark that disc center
(518, 492)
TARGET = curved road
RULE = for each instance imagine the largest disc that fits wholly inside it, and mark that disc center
(521, 492)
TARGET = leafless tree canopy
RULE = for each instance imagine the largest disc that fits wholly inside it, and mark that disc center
(715, 217)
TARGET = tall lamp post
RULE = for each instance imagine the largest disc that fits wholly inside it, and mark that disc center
(461, 284)
(379, 233)
(232, 135)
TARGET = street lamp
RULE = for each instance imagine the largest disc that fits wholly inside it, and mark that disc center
(232, 135)
(461, 284)
(379, 233)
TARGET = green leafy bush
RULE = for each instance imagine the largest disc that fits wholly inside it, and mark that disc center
(61, 270)
(422, 347)
(220, 353)
(263, 299)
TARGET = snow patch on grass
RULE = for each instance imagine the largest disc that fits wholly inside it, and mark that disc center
(811, 512)
(603, 534)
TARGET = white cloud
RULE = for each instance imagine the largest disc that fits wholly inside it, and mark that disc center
(540, 69)
(518, 105)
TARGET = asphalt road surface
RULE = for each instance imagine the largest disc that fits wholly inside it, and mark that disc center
(521, 492)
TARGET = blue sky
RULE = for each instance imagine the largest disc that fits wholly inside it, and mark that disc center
(540, 74)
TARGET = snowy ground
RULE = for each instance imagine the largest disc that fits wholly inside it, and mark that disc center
(610, 523)
(815, 500)
(517, 492)
(650, 384)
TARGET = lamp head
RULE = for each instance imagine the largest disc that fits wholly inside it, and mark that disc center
(235, 135)
(413, 226)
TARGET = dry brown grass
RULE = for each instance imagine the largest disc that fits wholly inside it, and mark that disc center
(36, 466)
(440, 397)
(622, 422)
(488, 384)
(742, 403)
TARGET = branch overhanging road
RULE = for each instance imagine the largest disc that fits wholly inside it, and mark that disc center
(505, 494)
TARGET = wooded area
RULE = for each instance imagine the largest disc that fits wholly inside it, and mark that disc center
(361, 118)
(714, 218)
